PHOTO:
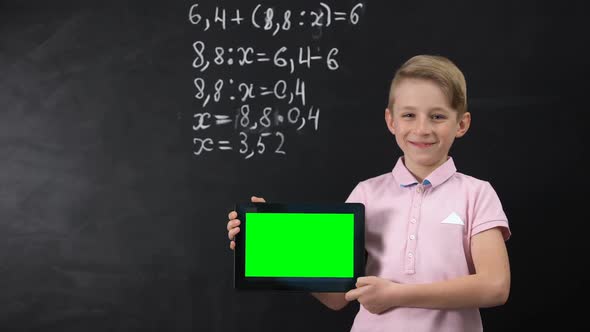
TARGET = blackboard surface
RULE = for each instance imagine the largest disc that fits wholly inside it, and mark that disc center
(115, 186)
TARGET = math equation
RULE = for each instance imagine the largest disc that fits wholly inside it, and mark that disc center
(256, 112)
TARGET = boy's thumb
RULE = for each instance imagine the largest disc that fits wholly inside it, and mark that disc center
(257, 199)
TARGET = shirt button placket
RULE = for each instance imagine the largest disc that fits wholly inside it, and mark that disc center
(410, 262)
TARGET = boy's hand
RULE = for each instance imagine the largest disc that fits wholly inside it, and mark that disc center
(233, 223)
(373, 293)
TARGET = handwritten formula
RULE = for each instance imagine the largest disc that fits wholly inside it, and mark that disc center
(257, 116)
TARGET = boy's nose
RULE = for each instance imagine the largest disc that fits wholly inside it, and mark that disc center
(422, 127)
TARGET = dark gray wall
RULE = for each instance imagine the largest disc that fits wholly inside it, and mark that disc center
(110, 222)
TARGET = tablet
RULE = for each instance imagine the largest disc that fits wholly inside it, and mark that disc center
(299, 247)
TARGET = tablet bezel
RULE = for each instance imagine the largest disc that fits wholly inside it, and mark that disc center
(307, 284)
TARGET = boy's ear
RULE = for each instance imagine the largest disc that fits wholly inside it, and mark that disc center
(389, 120)
(464, 124)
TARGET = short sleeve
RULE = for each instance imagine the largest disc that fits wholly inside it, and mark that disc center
(357, 195)
(488, 212)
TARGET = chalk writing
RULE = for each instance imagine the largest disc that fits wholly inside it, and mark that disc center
(255, 114)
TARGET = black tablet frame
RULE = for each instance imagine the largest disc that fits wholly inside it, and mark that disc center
(303, 284)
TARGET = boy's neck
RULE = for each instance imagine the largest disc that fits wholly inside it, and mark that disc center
(420, 175)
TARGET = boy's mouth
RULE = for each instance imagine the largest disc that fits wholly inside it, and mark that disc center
(421, 145)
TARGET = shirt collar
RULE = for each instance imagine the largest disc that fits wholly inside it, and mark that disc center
(403, 176)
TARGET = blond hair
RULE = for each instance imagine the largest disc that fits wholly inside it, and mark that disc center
(439, 70)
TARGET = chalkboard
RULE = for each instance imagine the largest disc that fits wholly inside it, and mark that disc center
(129, 129)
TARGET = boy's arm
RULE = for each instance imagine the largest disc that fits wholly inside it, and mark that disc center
(488, 287)
(334, 301)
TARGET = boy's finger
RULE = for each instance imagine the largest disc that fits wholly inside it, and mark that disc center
(363, 281)
(231, 234)
(257, 199)
(232, 224)
(232, 245)
(352, 295)
(232, 215)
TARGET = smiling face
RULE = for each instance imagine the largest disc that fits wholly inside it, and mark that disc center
(424, 124)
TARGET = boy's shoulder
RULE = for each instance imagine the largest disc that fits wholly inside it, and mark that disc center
(469, 186)
(379, 178)
(469, 179)
(377, 183)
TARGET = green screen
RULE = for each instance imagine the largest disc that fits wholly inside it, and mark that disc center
(299, 245)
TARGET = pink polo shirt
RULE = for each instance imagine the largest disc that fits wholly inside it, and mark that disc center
(421, 233)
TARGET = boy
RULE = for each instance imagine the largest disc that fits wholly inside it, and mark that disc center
(434, 236)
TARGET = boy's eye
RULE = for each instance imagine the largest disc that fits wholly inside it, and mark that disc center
(407, 115)
(438, 117)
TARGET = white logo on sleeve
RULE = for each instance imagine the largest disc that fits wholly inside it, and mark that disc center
(453, 218)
